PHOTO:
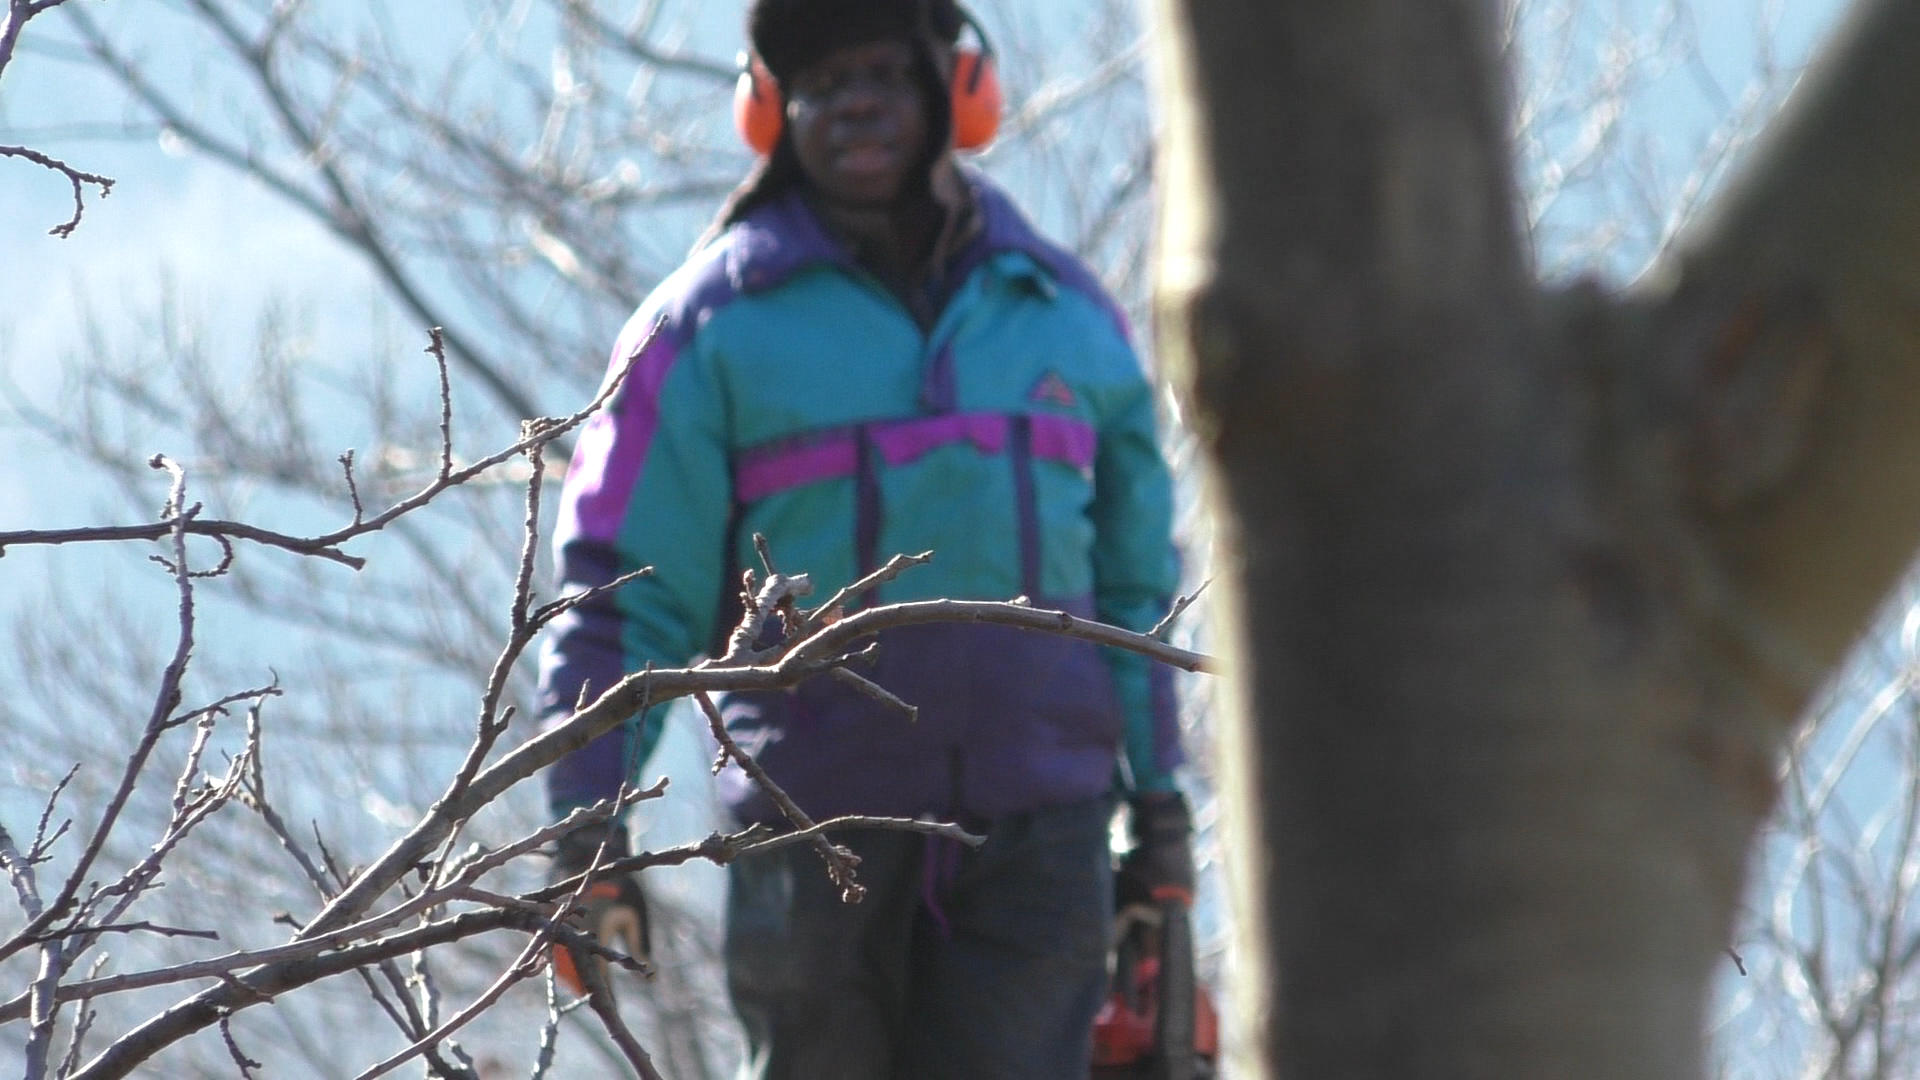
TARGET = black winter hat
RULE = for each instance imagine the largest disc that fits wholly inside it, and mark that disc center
(790, 34)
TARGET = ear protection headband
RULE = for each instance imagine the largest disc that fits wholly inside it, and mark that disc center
(759, 109)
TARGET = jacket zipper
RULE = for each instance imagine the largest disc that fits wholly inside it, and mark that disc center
(866, 508)
(1020, 453)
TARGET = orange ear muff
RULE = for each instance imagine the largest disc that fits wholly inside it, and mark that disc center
(758, 112)
(976, 99)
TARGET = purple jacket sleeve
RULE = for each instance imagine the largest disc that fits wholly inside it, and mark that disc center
(1136, 571)
(647, 486)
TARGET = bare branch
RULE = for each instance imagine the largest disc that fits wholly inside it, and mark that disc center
(41, 839)
(550, 1029)
(908, 711)
(327, 545)
(245, 1064)
(829, 641)
(830, 610)
(1790, 305)
(603, 1007)
(76, 1044)
(167, 698)
(1180, 606)
(193, 527)
(141, 927)
(19, 870)
(810, 656)
(840, 861)
(40, 995)
(437, 347)
(74, 177)
(522, 967)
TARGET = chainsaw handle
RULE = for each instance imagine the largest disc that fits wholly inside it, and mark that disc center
(1165, 895)
(1177, 1016)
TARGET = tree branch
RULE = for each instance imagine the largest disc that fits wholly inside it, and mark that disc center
(327, 546)
(74, 177)
(1793, 305)
(809, 657)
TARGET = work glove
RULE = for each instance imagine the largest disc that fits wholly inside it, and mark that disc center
(1160, 865)
(612, 910)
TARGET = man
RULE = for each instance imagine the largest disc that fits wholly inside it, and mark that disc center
(875, 354)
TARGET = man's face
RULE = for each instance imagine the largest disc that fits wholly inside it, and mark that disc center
(858, 121)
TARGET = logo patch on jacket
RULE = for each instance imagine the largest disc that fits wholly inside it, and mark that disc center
(1052, 390)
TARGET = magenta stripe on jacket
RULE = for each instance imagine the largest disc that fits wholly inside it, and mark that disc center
(613, 444)
(1063, 439)
(790, 463)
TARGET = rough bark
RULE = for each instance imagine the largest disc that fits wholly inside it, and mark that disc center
(1522, 590)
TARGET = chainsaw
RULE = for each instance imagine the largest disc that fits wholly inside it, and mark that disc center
(1158, 1022)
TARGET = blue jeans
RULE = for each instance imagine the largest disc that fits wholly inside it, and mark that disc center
(958, 963)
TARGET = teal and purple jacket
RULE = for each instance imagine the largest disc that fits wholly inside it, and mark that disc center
(786, 392)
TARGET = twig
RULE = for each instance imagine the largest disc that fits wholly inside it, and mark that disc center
(840, 861)
(760, 607)
(762, 549)
(1179, 608)
(225, 966)
(861, 821)
(472, 867)
(598, 989)
(40, 995)
(552, 610)
(819, 652)
(550, 1029)
(875, 691)
(141, 927)
(521, 627)
(76, 1044)
(253, 795)
(42, 841)
(469, 871)
(895, 566)
(194, 527)
(74, 177)
(427, 1004)
(437, 348)
(819, 649)
(532, 910)
(353, 487)
(326, 546)
(245, 1063)
(257, 695)
(603, 1007)
(167, 698)
(310, 962)
(19, 870)
(194, 801)
(521, 968)
(721, 849)
(43, 1008)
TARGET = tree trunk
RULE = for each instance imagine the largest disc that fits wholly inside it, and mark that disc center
(1521, 591)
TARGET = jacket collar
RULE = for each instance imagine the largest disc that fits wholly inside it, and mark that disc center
(785, 236)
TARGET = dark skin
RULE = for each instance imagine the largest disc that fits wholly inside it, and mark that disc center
(857, 120)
